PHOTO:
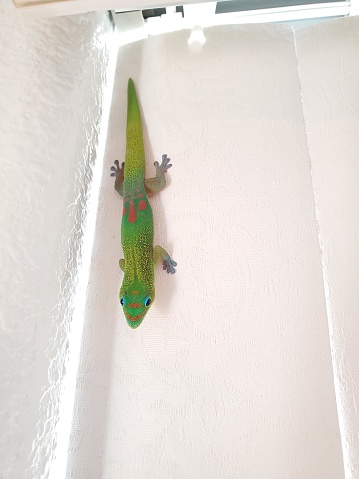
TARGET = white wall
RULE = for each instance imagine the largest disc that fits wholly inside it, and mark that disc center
(331, 105)
(53, 75)
(230, 374)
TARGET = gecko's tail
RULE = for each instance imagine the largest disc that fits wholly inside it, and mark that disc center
(135, 152)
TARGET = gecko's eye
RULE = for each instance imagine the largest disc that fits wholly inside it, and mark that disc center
(122, 301)
(147, 301)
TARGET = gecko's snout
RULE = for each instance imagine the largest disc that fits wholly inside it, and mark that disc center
(136, 301)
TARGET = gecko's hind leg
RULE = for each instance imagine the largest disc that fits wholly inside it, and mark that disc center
(167, 261)
(156, 184)
(118, 172)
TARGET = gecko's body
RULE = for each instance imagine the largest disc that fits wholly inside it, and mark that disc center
(137, 292)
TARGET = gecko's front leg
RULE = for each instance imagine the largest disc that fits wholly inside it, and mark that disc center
(156, 184)
(167, 262)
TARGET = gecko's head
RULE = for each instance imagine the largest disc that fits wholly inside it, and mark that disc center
(136, 299)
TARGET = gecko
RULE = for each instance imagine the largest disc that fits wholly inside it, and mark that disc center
(137, 292)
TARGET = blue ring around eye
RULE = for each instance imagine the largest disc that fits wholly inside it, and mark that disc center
(147, 301)
(122, 301)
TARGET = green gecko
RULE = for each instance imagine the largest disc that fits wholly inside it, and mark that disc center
(137, 292)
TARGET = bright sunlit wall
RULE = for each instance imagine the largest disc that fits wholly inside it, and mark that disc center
(203, 373)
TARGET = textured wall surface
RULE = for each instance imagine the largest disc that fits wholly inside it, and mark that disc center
(52, 80)
(230, 374)
(330, 90)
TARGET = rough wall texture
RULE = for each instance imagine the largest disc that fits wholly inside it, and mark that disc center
(330, 90)
(52, 77)
(230, 374)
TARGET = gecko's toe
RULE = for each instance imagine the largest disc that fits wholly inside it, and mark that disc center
(117, 170)
(168, 265)
(165, 163)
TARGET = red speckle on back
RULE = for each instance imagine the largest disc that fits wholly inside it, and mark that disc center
(132, 216)
(142, 205)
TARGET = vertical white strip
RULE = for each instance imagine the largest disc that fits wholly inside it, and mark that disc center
(68, 393)
(328, 302)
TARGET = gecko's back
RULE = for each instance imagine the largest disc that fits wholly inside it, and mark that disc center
(137, 292)
(137, 220)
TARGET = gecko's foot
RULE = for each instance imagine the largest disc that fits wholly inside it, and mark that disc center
(165, 165)
(169, 265)
(118, 170)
